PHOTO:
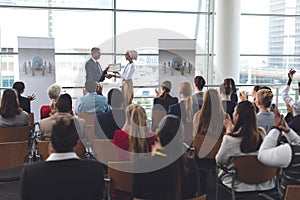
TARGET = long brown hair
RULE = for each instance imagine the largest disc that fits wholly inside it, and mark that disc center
(138, 130)
(186, 91)
(246, 127)
(209, 120)
(10, 106)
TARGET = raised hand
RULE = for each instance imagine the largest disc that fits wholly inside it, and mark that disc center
(291, 74)
(32, 97)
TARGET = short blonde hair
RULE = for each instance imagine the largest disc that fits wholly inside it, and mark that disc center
(54, 91)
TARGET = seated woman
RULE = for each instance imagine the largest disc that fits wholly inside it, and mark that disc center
(263, 100)
(10, 112)
(185, 110)
(134, 137)
(243, 137)
(53, 93)
(169, 174)
(208, 122)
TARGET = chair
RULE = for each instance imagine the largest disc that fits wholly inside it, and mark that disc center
(292, 192)
(209, 149)
(13, 134)
(243, 166)
(157, 115)
(42, 148)
(104, 150)
(89, 124)
(120, 176)
(31, 119)
(13, 154)
(202, 197)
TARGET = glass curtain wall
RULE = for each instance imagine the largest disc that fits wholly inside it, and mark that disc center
(113, 25)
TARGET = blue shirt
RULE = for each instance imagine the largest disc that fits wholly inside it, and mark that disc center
(92, 102)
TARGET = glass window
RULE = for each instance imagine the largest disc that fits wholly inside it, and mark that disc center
(166, 5)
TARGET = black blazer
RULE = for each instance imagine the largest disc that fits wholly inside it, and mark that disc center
(25, 104)
(106, 123)
(179, 109)
(165, 102)
(70, 179)
(198, 97)
(93, 72)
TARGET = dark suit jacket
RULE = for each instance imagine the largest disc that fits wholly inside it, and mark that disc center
(93, 72)
(106, 123)
(70, 179)
(228, 106)
(165, 102)
(157, 185)
(179, 109)
(198, 97)
(25, 104)
(295, 124)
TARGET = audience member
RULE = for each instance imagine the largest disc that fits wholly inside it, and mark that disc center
(285, 156)
(295, 123)
(185, 110)
(199, 83)
(53, 93)
(91, 102)
(164, 99)
(63, 175)
(107, 123)
(63, 106)
(135, 138)
(233, 95)
(209, 120)
(263, 101)
(228, 104)
(24, 101)
(242, 137)
(176, 176)
(10, 112)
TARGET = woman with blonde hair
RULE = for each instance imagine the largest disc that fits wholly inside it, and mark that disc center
(133, 138)
(263, 100)
(53, 93)
(185, 110)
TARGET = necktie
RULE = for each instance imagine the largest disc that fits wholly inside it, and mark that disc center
(99, 67)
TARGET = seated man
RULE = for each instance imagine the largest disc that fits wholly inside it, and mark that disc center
(106, 123)
(24, 101)
(63, 106)
(91, 102)
(63, 175)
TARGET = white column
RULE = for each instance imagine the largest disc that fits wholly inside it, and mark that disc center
(227, 40)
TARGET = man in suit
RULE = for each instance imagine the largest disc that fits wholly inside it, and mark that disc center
(63, 176)
(93, 69)
(106, 123)
(199, 83)
(164, 98)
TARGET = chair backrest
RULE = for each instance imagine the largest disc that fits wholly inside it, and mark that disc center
(202, 197)
(157, 115)
(105, 150)
(292, 192)
(251, 170)
(120, 179)
(31, 119)
(209, 149)
(89, 124)
(13, 154)
(13, 134)
(42, 147)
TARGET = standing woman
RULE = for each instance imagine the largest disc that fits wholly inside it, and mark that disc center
(126, 75)
(11, 114)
